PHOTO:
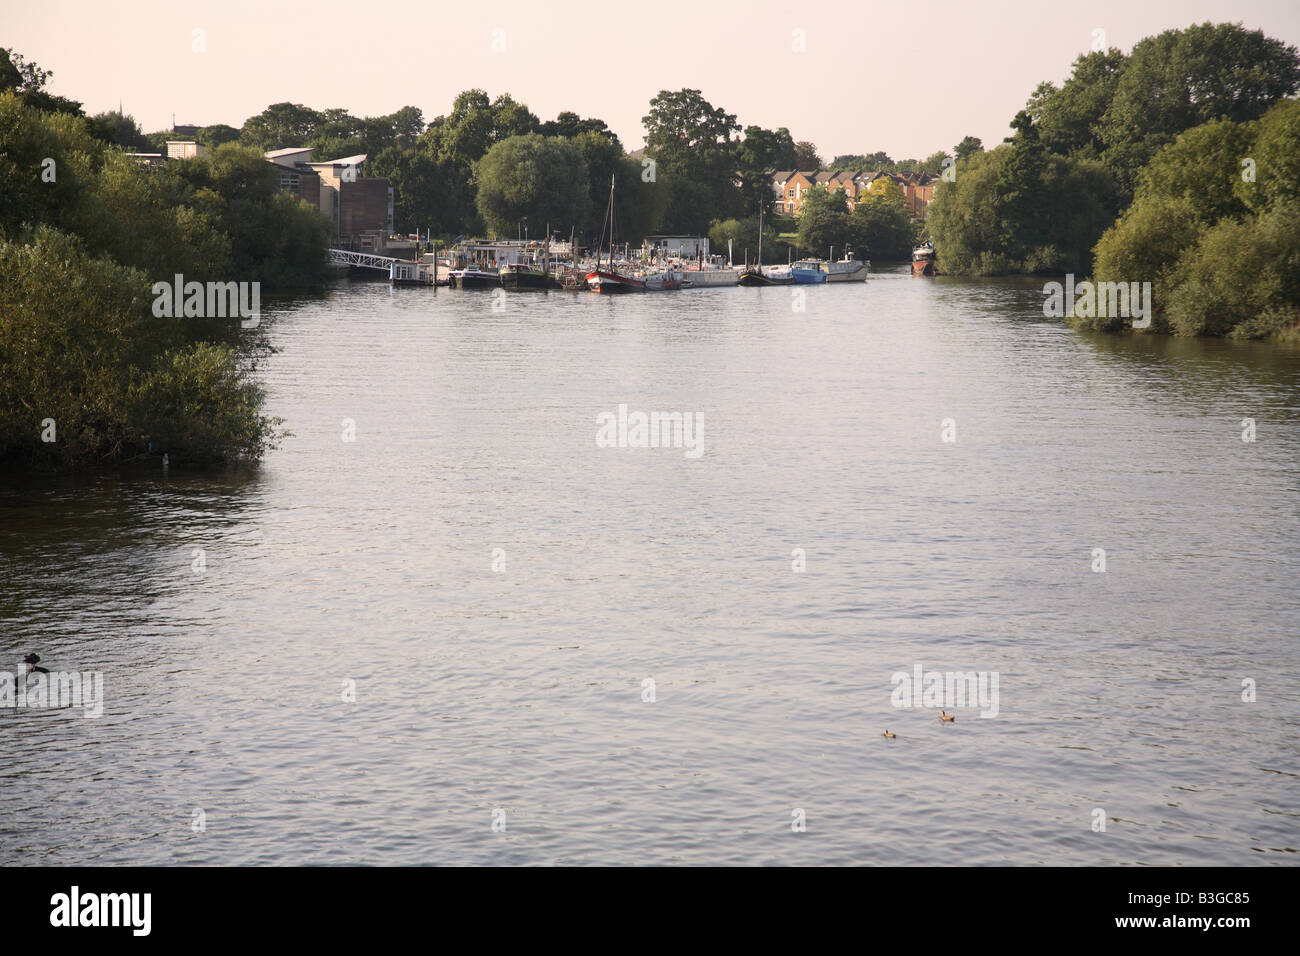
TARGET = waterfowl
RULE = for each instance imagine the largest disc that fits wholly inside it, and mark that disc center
(946, 717)
(31, 660)
(889, 735)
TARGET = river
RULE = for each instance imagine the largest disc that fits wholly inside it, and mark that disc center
(472, 635)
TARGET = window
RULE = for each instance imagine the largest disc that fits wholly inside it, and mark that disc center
(790, 194)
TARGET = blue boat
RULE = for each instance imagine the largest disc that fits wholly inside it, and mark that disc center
(809, 271)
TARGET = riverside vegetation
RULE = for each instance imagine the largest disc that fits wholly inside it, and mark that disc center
(1178, 164)
(88, 373)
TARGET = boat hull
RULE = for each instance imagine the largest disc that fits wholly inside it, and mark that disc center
(709, 278)
(851, 271)
(607, 283)
(923, 267)
(523, 279)
(759, 279)
(473, 280)
(809, 276)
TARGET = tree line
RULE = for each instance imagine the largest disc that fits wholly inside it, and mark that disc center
(89, 374)
(493, 167)
(1174, 164)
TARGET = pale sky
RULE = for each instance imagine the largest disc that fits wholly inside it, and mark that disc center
(906, 78)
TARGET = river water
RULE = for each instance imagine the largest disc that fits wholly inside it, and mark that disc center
(371, 651)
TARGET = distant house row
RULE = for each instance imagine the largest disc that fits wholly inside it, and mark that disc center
(361, 207)
(791, 186)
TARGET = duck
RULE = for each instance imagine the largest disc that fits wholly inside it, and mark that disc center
(31, 660)
(946, 717)
(888, 735)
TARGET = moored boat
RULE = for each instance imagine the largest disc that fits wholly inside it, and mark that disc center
(846, 269)
(473, 276)
(608, 277)
(756, 275)
(523, 276)
(710, 274)
(611, 280)
(809, 271)
(923, 257)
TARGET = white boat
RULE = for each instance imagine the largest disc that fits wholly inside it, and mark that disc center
(711, 274)
(846, 269)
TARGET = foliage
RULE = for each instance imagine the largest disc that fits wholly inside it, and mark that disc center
(1222, 252)
(1018, 208)
(690, 141)
(805, 156)
(535, 178)
(882, 228)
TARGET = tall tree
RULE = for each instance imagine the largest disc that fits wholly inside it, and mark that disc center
(758, 155)
(969, 146)
(1183, 78)
(533, 178)
(280, 126)
(806, 157)
(690, 141)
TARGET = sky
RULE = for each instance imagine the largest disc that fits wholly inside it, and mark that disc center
(910, 79)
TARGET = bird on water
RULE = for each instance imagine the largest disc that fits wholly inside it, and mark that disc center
(31, 660)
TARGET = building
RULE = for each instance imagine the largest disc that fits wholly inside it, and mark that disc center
(918, 191)
(360, 207)
(681, 247)
(185, 149)
(789, 187)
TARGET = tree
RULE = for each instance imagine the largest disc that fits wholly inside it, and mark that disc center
(871, 161)
(881, 227)
(805, 156)
(280, 126)
(28, 81)
(690, 142)
(216, 135)
(535, 178)
(969, 146)
(1018, 208)
(758, 155)
(119, 130)
(571, 125)
(1222, 252)
(1184, 78)
(1067, 118)
(824, 221)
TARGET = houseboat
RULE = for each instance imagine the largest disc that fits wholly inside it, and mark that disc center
(923, 257)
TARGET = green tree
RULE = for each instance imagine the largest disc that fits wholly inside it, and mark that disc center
(28, 81)
(1184, 78)
(761, 153)
(535, 178)
(119, 130)
(1068, 117)
(280, 126)
(1018, 209)
(824, 221)
(882, 228)
(806, 156)
(690, 142)
(968, 147)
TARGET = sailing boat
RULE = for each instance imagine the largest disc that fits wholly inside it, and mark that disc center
(756, 275)
(607, 278)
